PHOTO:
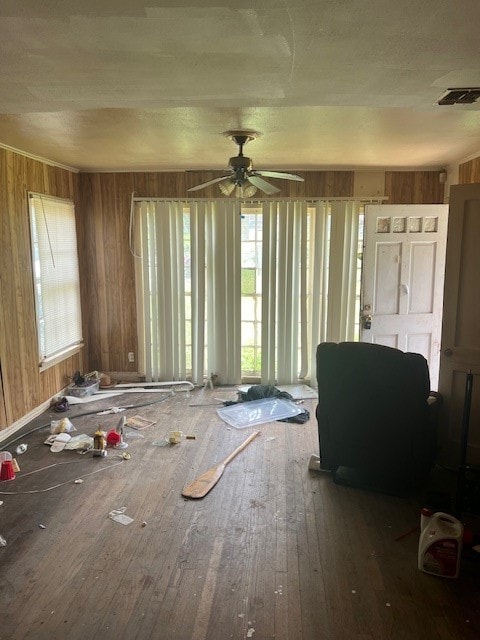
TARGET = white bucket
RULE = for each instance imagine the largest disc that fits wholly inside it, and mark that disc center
(440, 546)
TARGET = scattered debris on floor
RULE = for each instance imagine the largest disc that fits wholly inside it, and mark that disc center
(115, 436)
(83, 386)
(62, 426)
(139, 423)
(111, 410)
(118, 515)
(175, 437)
(7, 469)
(58, 442)
(161, 443)
(92, 386)
(255, 412)
(99, 444)
(62, 405)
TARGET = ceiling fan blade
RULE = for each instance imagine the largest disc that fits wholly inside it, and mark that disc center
(262, 184)
(279, 174)
(207, 184)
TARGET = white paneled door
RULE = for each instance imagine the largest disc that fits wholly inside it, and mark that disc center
(403, 276)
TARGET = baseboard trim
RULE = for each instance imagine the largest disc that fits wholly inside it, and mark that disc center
(5, 434)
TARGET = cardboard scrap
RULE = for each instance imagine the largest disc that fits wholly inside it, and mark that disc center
(139, 423)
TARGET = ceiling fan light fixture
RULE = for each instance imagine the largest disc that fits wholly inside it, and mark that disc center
(226, 187)
(246, 192)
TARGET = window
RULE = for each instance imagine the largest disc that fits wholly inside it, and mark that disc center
(244, 289)
(251, 287)
(55, 278)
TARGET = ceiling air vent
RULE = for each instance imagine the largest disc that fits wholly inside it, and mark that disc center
(460, 96)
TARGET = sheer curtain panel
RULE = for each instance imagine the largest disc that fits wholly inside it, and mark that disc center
(189, 284)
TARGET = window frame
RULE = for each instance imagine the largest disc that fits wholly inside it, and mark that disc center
(56, 341)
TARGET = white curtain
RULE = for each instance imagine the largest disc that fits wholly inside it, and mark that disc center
(309, 267)
(340, 323)
(314, 322)
(213, 230)
(162, 272)
(309, 284)
(223, 291)
(283, 288)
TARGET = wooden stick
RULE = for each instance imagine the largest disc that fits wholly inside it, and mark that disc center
(204, 483)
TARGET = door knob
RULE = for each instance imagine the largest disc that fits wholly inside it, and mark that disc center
(367, 322)
(448, 352)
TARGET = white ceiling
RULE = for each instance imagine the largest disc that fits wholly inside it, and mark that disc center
(117, 85)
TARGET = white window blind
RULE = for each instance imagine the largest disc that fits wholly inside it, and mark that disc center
(56, 277)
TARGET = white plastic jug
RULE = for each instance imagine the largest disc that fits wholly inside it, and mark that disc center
(440, 546)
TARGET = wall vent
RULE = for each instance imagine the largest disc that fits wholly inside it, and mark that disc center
(460, 96)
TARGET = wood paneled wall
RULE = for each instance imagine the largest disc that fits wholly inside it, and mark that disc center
(108, 265)
(23, 387)
(413, 187)
(469, 172)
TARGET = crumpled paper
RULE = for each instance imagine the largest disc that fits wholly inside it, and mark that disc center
(118, 515)
(61, 426)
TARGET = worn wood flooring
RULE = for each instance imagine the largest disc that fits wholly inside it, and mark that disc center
(274, 551)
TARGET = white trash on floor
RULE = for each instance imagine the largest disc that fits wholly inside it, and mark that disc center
(249, 414)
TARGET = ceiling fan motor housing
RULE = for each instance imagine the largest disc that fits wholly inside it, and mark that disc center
(240, 166)
(240, 162)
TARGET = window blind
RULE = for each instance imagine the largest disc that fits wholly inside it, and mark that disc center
(56, 276)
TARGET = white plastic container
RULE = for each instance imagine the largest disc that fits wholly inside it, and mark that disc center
(440, 546)
(88, 389)
(249, 414)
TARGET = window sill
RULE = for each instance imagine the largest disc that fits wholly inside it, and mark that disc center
(59, 357)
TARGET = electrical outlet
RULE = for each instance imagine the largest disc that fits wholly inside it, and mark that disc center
(131, 356)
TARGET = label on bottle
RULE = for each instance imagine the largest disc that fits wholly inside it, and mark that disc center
(441, 558)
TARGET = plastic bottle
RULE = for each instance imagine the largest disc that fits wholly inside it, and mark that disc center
(99, 444)
(440, 546)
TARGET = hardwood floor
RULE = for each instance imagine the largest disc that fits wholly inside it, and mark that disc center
(274, 551)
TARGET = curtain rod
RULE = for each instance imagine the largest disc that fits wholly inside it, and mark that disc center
(254, 200)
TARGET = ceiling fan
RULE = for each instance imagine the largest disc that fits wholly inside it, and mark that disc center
(242, 176)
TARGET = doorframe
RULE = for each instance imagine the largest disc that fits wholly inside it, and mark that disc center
(363, 272)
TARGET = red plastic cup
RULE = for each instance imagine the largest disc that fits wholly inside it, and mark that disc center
(6, 471)
(113, 438)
